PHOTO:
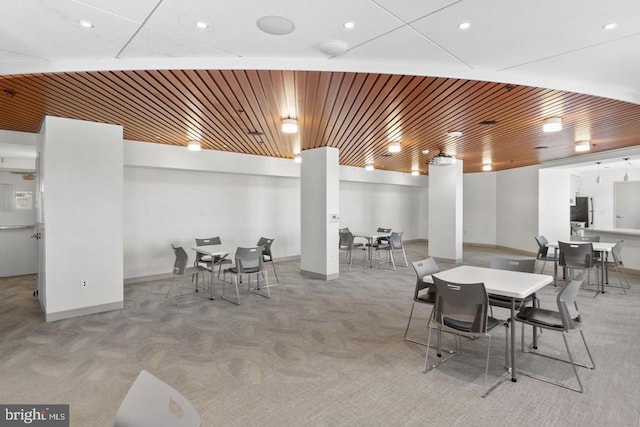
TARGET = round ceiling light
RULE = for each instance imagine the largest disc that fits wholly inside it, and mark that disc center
(202, 25)
(84, 23)
(333, 47)
(394, 147)
(193, 145)
(464, 25)
(610, 26)
(552, 124)
(454, 134)
(275, 25)
(349, 25)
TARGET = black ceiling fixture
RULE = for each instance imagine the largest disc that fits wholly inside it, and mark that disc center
(9, 92)
(255, 133)
(488, 122)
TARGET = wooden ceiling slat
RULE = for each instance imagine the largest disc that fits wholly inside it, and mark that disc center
(357, 113)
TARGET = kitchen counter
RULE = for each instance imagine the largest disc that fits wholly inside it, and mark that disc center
(630, 248)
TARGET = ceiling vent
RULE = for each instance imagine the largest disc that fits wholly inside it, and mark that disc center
(442, 160)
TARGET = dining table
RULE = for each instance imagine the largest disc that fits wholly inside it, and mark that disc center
(601, 247)
(507, 283)
(371, 239)
(218, 254)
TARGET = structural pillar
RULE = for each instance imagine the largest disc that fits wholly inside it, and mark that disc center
(445, 211)
(320, 219)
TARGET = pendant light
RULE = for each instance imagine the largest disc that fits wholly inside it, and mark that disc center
(626, 168)
(598, 177)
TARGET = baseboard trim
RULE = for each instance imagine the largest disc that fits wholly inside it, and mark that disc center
(314, 275)
(83, 311)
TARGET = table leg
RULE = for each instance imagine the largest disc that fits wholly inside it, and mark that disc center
(555, 266)
(513, 340)
(603, 263)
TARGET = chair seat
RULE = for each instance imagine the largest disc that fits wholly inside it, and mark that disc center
(505, 302)
(540, 316)
(466, 326)
(246, 270)
(428, 297)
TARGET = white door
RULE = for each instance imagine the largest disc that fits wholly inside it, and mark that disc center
(627, 204)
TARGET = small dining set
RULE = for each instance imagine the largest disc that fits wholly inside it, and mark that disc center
(463, 300)
(381, 240)
(246, 262)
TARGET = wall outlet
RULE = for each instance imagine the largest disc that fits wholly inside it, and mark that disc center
(84, 284)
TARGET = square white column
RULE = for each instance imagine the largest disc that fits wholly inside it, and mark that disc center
(445, 212)
(319, 213)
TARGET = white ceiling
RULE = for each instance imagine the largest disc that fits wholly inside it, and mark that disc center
(558, 44)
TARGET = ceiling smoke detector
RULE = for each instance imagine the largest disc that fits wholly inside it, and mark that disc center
(333, 47)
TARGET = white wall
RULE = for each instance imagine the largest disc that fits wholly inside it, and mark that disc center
(82, 180)
(602, 194)
(553, 204)
(517, 208)
(480, 206)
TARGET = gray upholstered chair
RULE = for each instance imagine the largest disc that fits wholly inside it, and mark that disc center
(152, 402)
(461, 309)
(564, 320)
(248, 262)
(394, 245)
(266, 243)
(348, 245)
(182, 271)
(424, 292)
(207, 260)
(543, 253)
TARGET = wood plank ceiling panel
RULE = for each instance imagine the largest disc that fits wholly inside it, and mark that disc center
(358, 113)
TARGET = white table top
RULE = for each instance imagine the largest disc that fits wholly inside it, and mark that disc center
(212, 250)
(371, 234)
(597, 246)
(512, 284)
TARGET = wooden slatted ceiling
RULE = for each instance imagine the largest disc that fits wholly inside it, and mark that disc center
(358, 113)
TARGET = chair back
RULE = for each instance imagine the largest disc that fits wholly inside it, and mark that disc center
(424, 267)
(543, 250)
(616, 251)
(205, 242)
(181, 260)
(462, 306)
(576, 255)
(266, 247)
(567, 307)
(395, 240)
(522, 265)
(346, 238)
(249, 260)
(575, 238)
(152, 402)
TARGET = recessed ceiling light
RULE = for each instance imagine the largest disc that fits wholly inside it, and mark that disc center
(415, 173)
(425, 151)
(610, 26)
(194, 145)
(582, 146)
(394, 147)
(486, 167)
(289, 126)
(368, 167)
(275, 25)
(464, 25)
(202, 25)
(552, 124)
(349, 25)
(84, 23)
(297, 158)
(454, 134)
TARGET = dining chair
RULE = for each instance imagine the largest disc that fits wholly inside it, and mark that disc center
(210, 262)
(617, 264)
(565, 319)
(182, 271)
(152, 402)
(347, 244)
(543, 252)
(424, 292)
(523, 266)
(577, 256)
(266, 254)
(395, 244)
(248, 262)
(461, 309)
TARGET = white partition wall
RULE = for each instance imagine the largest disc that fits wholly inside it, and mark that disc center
(553, 204)
(319, 213)
(82, 188)
(445, 211)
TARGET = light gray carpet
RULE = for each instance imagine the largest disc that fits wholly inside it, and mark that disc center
(316, 353)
